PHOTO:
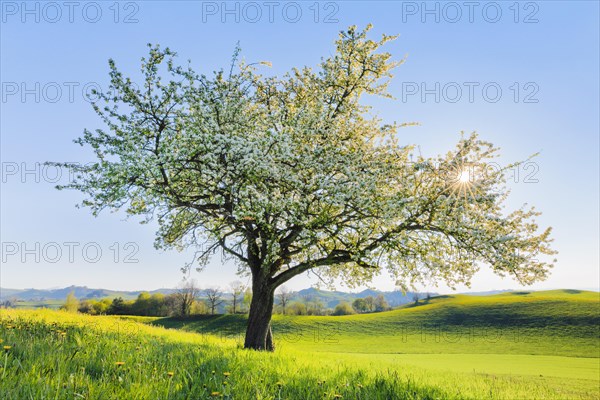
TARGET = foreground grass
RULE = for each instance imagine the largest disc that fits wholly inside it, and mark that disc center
(55, 355)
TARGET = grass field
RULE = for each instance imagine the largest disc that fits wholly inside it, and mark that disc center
(513, 345)
(53, 304)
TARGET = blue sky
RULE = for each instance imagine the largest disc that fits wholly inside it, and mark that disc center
(532, 67)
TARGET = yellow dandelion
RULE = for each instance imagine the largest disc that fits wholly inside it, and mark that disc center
(1, 340)
(7, 348)
(226, 374)
(120, 363)
(225, 383)
(215, 394)
(213, 372)
(170, 374)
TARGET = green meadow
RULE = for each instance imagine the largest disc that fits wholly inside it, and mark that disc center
(510, 346)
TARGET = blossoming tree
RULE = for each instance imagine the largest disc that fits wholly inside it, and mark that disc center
(292, 174)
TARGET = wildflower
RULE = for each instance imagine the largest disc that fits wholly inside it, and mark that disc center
(213, 372)
(226, 374)
(225, 383)
(120, 363)
(279, 384)
(215, 394)
(1, 340)
(170, 374)
(7, 348)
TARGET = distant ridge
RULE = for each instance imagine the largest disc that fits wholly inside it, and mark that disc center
(327, 298)
(81, 292)
(332, 298)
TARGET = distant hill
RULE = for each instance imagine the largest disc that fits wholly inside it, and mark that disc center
(331, 298)
(81, 292)
(328, 298)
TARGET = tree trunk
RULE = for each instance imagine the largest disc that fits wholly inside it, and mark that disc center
(258, 333)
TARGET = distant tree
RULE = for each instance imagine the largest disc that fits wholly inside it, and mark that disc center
(360, 305)
(71, 303)
(85, 306)
(343, 308)
(214, 298)
(101, 306)
(157, 305)
(297, 308)
(8, 303)
(314, 306)
(142, 305)
(118, 307)
(287, 174)
(185, 296)
(172, 304)
(381, 303)
(247, 299)
(284, 295)
(370, 303)
(428, 296)
(416, 298)
(199, 307)
(237, 293)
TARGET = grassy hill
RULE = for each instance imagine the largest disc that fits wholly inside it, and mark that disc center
(568, 320)
(513, 345)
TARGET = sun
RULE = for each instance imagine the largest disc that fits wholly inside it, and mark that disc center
(463, 181)
(464, 176)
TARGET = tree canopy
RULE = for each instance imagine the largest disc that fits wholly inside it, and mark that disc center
(295, 173)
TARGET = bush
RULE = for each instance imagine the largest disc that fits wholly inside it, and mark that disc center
(343, 308)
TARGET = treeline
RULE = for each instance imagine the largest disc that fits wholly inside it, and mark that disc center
(156, 305)
(187, 300)
(190, 300)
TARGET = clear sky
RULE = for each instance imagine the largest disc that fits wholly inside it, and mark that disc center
(524, 75)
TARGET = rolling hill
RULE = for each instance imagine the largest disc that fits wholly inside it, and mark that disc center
(513, 322)
(518, 345)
